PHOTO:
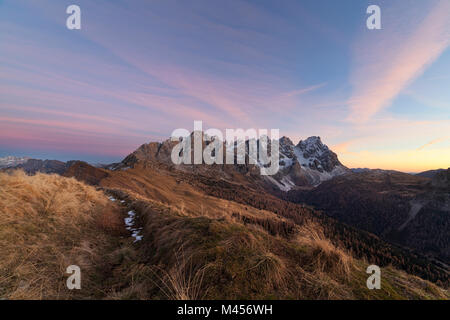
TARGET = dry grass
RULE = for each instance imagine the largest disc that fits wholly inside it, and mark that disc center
(227, 260)
(161, 187)
(237, 251)
(325, 256)
(47, 223)
(183, 281)
(221, 250)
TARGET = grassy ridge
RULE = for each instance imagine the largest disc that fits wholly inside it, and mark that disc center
(224, 259)
(47, 223)
(220, 250)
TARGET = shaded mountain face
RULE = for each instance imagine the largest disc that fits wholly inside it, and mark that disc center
(401, 208)
(442, 179)
(430, 173)
(78, 169)
(31, 166)
(308, 163)
(83, 171)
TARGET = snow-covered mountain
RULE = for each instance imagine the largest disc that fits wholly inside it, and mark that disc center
(12, 161)
(308, 163)
(32, 166)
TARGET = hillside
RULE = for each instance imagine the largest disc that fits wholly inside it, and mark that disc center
(408, 212)
(201, 193)
(401, 208)
(47, 223)
(220, 249)
(429, 174)
(442, 180)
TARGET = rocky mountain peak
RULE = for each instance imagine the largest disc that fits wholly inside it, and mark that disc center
(316, 155)
(308, 163)
(312, 146)
(285, 141)
(286, 148)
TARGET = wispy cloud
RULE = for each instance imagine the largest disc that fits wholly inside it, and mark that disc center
(137, 70)
(435, 141)
(392, 61)
(304, 90)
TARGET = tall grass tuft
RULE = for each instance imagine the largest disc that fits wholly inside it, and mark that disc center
(48, 222)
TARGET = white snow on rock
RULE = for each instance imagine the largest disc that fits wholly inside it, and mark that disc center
(130, 222)
(280, 186)
(287, 182)
(317, 163)
(11, 161)
(285, 161)
(130, 226)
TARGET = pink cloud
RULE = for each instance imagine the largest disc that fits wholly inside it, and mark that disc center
(305, 90)
(25, 135)
(435, 141)
(391, 61)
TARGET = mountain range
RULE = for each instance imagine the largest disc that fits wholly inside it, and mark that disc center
(12, 161)
(308, 163)
(406, 216)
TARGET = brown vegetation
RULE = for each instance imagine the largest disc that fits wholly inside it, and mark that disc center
(47, 223)
(194, 246)
(185, 257)
(380, 202)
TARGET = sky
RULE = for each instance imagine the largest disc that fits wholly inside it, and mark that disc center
(137, 70)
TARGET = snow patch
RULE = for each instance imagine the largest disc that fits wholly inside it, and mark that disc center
(280, 186)
(300, 157)
(130, 226)
(416, 206)
(288, 183)
(287, 161)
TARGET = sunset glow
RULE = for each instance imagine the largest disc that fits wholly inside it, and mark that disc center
(378, 98)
